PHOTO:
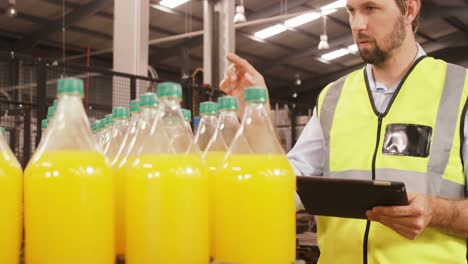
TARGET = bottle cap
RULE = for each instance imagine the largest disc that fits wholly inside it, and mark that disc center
(256, 95)
(228, 103)
(149, 100)
(169, 89)
(70, 85)
(208, 108)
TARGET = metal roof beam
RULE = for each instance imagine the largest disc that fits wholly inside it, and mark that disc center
(71, 18)
(458, 24)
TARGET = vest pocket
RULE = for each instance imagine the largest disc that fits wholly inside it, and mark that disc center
(407, 140)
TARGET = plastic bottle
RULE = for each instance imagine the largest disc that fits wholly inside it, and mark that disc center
(188, 118)
(132, 127)
(44, 124)
(11, 204)
(108, 123)
(254, 208)
(167, 193)
(97, 129)
(69, 190)
(207, 126)
(119, 166)
(50, 113)
(228, 124)
(101, 132)
(120, 117)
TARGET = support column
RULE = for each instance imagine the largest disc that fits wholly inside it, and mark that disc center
(226, 36)
(208, 9)
(131, 36)
(218, 39)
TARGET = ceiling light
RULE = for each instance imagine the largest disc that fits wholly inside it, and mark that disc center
(302, 19)
(335, 54)
(297, 80)
(172, 3)
(271, 31)
(11, 9)
(240, 14)
(353, 48)
(323, 44)
(334, 5)
(299, 20)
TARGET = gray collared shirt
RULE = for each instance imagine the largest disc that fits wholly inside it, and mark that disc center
(307, 156)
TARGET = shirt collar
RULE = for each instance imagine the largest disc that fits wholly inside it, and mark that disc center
(380, 87)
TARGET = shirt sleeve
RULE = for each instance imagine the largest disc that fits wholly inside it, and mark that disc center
(306, 157)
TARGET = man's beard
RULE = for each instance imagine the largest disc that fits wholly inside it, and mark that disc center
(378, 55)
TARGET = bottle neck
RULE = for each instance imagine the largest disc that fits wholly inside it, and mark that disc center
(170, 101)
(228, 125)
(148, 112)
(70, 129)
(120, 122)
(257, 129)
(228, 115)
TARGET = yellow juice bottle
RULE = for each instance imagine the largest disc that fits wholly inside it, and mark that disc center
(136, 129)
(11, 205)
(188, 118)
(254, 207)
(228, 124)
(207, 125)
(69, 190)
(167, 191)
(120, 116)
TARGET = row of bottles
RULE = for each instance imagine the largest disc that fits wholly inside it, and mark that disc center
(141, 186)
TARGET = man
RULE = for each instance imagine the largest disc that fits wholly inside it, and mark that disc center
(400, 118)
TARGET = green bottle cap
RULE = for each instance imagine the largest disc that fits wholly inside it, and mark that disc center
(169, 89)
(256, 95)
(50, 112)
(70, 85)
(208, 108)
(149, 100)
(96, 126)
(228, 103)
(187, 114)
(108, 120)
(44, 123)
(120, 113)
(100, 124)
(135, 106)
(55, 103)
(2, 129)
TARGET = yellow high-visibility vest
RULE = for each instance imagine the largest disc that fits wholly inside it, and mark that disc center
(417, 141)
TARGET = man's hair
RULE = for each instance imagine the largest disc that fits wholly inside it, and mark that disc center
(403, 7)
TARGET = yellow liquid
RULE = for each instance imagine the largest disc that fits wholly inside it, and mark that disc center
(167, 210)
(213, 161)
(254, 210)
(69, 209)
(120, 178)
(10, 210)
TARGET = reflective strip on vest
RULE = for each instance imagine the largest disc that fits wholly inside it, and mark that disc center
(444, 131)
(326, 115)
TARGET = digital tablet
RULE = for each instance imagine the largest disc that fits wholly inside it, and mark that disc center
(348, 198)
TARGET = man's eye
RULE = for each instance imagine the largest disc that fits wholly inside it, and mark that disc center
(371, 8)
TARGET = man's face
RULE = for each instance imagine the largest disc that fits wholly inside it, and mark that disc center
(378, 28)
